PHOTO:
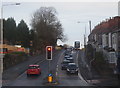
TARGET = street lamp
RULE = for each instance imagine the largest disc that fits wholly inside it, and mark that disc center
(87, 22)
(86, 47)
(85, 30)
(1, 37)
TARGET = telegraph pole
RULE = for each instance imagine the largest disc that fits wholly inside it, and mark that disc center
(90, 26)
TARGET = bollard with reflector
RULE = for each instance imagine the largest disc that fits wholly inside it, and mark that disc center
(50, 78)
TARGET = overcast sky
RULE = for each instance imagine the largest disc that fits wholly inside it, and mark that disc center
(69, 13)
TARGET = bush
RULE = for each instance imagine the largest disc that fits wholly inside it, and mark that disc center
(99, 63)
(18, 53)
(13, 58)
(99, 58)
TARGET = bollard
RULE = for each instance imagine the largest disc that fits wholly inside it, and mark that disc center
(50, 78)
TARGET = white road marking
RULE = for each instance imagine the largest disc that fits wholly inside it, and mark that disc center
(56, 73)
(58, 62)
(57, 66)
(36, 63)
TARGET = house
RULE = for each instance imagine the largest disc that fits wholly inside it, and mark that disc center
(106, 37)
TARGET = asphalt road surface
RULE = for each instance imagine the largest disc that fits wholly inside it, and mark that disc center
(70, 80)
(55, 66)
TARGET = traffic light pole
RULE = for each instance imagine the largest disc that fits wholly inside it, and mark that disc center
(49, 56)
(49, 67)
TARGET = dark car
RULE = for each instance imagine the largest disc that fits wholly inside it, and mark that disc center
(71, 55)
(106, 48)
(64, 64)
(66, 52)
(72, 68)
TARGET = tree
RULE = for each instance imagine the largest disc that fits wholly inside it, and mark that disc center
(10, 30)
(47, 27)
(23, 34)
(32, 34)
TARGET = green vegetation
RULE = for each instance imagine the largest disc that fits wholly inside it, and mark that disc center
(14, 58)
(45, 30)
(18, 53)
(90, 52)
(16, 34)
(99, 58)
(99, 63)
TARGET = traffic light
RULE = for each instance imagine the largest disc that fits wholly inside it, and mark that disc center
(49, 52)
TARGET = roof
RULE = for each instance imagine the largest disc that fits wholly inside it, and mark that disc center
(70, 58)
(66, 60)
(34, 65)
(72, 64)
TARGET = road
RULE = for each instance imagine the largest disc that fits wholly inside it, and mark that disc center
(61, 76)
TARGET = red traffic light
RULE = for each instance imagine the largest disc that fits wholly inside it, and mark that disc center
(49, 52)
(49, 48)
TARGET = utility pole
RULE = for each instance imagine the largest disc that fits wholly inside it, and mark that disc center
(90, 26)
(1, 39)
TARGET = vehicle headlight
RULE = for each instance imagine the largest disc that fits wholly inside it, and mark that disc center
(68, 70)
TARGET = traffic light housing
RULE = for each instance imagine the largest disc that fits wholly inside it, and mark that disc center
(49, 52)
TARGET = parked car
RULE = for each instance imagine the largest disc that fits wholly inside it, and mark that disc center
(64, 64)
(106, 48)
(33, 70)
(72, 68)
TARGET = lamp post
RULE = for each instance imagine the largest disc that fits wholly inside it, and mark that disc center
(1, 38)
(85, 30)
(86, 47)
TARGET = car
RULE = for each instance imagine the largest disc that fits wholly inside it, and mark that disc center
(66, 53)
(33, 70)
(64, 64)
(66, 56)
(72, 68)
(71, 55)
(70, 59)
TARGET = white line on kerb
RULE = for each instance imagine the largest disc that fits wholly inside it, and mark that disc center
(79, 75)
(77, 59)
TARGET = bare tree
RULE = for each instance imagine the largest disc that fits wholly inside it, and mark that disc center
(47, 27)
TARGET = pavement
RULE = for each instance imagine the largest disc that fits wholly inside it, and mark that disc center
(108, 78)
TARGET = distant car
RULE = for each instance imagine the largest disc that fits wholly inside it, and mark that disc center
(66, 56)
(33, 70)
(71, 55)
(66, 53)
(64, 64)
(70, 59)
(72, 68)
